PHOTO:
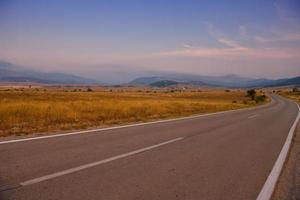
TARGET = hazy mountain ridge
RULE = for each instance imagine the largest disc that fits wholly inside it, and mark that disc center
(232, 81)
(170, 83)
(285, 82)
(13, 73)
(164, 83)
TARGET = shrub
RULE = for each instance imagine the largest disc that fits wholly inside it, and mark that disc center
(252, 94)
(260, 98)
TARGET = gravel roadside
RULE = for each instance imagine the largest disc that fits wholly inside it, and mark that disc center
(288, 186)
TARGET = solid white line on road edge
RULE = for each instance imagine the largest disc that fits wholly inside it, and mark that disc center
(93, 164)
(252, 116)
(269, 186)
(130, 125)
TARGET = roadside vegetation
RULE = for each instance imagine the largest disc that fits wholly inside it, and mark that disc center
(258, 98)
(26, 111)
(293, 94)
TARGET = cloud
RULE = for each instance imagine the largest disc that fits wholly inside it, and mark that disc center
(235, 53)
(287, 27)
(213, 31)
(232, 44)
(233, 49)
(187, 46)
(288, 37)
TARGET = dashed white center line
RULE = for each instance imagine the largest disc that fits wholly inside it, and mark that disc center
(93, 164)
(252, 116)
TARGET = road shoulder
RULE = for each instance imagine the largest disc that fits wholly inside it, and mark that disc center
(288, 186)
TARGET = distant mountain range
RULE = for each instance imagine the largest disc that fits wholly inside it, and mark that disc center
(13, 73)
(231, 81)
(164, 83)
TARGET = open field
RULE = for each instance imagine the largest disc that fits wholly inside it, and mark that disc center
(25, 111)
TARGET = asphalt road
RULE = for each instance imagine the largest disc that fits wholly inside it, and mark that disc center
(223, 156)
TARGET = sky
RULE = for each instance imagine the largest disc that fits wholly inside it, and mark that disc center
(117, 40)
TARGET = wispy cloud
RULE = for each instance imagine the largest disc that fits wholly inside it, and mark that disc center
(188, 46)
(288, 37)
(233, 49)
(287, 26)
(213, 31)
(232, 44)
(235, 53)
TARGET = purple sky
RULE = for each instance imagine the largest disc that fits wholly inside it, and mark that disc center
(114, 40)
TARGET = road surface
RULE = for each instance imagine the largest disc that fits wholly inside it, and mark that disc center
(222, 156)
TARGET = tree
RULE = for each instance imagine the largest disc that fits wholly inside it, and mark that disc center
(251, 93)
(89, 90)
(295, 89)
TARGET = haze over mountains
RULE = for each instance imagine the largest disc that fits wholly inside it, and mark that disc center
(232, 81)
(13, 73)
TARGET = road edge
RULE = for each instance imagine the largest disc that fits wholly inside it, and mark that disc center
(270, 184)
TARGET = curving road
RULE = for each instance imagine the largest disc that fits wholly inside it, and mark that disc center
(222, 156)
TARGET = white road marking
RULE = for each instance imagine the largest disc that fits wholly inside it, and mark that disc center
(252, 116)
(130, 125)
(269, 186)
(93, 164)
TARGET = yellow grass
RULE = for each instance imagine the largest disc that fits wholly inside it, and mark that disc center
(31, 111)
(292, 95)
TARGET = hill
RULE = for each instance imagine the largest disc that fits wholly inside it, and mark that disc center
(14, 73)
(164, 83)
(232, 81)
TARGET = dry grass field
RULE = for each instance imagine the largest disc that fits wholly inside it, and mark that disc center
(292, 95)
(26, 111)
